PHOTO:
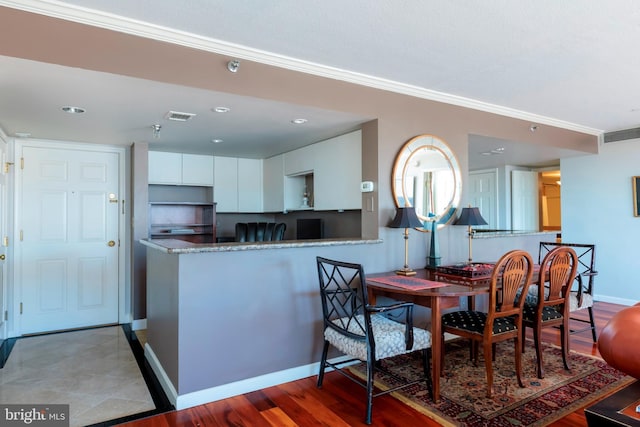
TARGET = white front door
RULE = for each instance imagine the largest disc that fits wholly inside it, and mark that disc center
(524, 201)
(483, 193)
(4, 236)
(67, 220)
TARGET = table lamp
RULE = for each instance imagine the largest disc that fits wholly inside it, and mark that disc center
(406, 218)
(470, 216)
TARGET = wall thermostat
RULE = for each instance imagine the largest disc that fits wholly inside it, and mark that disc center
(366, 186)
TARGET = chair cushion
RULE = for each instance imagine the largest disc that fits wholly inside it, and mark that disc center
(474, 321)
(388, 335)
(548, 313)
(587, 301)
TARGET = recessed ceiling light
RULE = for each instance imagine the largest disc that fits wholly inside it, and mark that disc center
(299, 121)
(222, 109)
(216, 141)
(73, 110)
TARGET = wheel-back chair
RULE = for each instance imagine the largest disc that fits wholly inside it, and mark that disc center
(550, 306)
(509, 283)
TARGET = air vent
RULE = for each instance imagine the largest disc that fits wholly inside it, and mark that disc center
(622, 135)
(178, 116)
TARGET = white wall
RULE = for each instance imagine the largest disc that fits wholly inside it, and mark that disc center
(597, 207)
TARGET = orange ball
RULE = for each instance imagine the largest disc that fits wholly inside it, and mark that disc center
(619, 342)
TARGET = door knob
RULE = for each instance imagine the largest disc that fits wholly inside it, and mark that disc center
(111, 243)
(2, 257)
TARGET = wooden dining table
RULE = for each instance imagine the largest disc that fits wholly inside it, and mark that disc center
(447, 294)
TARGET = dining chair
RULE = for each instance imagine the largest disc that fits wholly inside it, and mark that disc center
(502, 321)
(364, 332)
(550, 306)
(582, 292)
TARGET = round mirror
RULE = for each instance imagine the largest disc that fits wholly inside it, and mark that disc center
(426, 175)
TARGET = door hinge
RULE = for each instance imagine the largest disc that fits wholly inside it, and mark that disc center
(21, 235)
(5, 241)
(6, 315)
(20, 308)
(7, 165)
(21, 162)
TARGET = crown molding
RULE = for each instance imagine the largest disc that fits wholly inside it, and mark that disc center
(57, 9)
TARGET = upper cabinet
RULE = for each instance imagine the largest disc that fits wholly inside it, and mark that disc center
(338, 172)
(197, 169)
(273, 183)
(180, 169)
(300, 161)
(238, 185)
(327, 173)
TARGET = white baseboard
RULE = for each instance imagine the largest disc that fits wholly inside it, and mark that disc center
(162, 376)
(212, 394)
(138, 324)
(615, 300)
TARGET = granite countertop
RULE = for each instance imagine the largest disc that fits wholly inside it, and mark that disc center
(477, 234)
(176, 246)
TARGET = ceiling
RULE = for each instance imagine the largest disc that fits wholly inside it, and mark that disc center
(566, 63)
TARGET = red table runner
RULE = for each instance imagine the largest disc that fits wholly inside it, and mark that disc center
(408, 282)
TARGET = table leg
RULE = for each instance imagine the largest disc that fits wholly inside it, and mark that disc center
(436, 347)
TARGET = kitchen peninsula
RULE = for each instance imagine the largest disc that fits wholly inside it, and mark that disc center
(224, 319)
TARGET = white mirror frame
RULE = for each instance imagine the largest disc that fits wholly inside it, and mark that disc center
(441, 159)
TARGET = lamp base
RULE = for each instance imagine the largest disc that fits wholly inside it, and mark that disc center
(406, 272)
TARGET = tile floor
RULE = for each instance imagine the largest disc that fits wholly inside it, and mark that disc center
(92, 370)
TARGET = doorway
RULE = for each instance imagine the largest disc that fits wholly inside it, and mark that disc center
(69, 228)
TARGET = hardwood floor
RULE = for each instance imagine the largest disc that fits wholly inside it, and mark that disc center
(340, 402)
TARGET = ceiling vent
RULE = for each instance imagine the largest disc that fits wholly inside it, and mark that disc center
(178, 116)
(622, 135)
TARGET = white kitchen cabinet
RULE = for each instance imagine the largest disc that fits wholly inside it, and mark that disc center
(165, 168)
(300, 161)
(273, 183)
(225, 184)
(250, 185)
(338, 173)
(180, 169)
(237, 184)
(197, 169)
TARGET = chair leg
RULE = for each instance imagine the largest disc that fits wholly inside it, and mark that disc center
(536, 341)
(488, 350)
(518, 361)
(564, 341)
(426, 366)
(441, 355)
(370, 369)
(323, 363)
(523, 335)
(593, 325)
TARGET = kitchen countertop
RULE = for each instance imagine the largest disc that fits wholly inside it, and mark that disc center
(176, 246)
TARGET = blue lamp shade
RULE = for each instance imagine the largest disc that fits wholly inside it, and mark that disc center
(406, 218)
(470, 216)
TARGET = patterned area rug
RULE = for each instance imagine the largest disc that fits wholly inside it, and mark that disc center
(463, 387)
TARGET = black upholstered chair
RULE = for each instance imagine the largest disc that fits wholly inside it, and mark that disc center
(364, 332)
(260, 231)
(582, 291)
(510, 281)
(547, 304)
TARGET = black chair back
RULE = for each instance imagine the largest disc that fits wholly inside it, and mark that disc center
(344, 296)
